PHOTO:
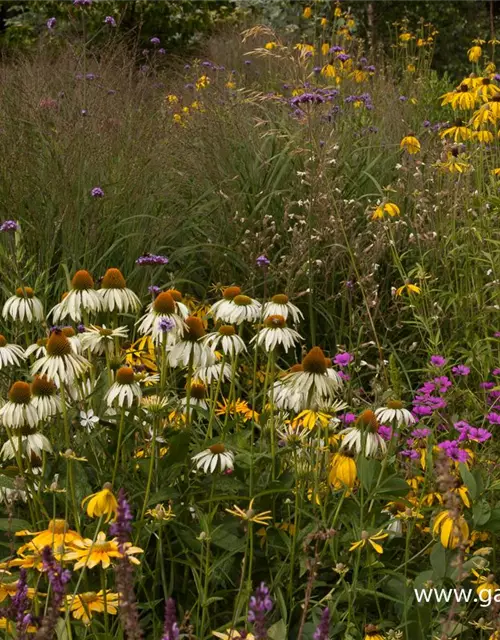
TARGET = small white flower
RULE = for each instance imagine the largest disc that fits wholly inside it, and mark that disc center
(24, 306)
(213, 457)
(88, 419)
(101, 340)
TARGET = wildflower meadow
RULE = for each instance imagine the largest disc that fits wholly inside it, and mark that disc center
(249, 332)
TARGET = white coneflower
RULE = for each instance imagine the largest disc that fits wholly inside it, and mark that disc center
(213, 457)
(274, 333)
(114, 294)
(213, 372)
(23, 306)
(395, 412)
(161, 319)
(154, 404)
(364, 430)
(45, 399)
(190, 350)
(81, 298)
(313, 381)
(226, 339)
(244, 309)
(125, 390)
(281, 306)
(73, 337)
(181, 307)
(284, 397)
(11, 355)
(32, 444)
(197, 398)
(101, 340)
(19, 411)
(37, 349)
(60, 364)
(293, 436)
(221, 309)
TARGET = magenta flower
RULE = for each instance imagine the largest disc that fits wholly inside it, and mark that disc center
(438, 361)
(460, 370)
(385, 432)
(493, 417)
(343, 359)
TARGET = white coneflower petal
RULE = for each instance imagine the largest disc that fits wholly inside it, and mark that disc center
(125, 390)
(11, 355)
(81, 298)
(274, 333)
(37, 349)
(191, 349)
(60, 364)
(24, 306)
(31, 444)
(213, 457)
(395, 412)
(213, 372)
(18, 412)
(45, 399)
(100, 339)
(353, 440)
(161, 320)
(280, 306)
(225, 339)
(114, 294)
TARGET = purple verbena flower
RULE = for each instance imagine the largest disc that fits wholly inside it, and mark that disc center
(97, 192)
(166, 324)
(263, 261)
(110, 20)
(9, 225)
(154, 290)
(155, 40)
(51, 23)
(151, 259)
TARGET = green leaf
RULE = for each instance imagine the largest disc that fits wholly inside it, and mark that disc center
(226, 540)
(278, 631)
(468, 480)
(438, 560)
(395, 486)
(481, 513)
(6, 482)
(13, 525)
(368, 472)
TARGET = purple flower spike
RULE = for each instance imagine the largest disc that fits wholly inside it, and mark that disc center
(322, 630)
(122, 527)
(260, 605)
(166, 324)
(9, 225)
(170, 628)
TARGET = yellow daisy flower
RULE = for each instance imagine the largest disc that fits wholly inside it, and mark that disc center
(84, 605)
(102, 503)
(453, 530)
(410, 144)
(373, 540)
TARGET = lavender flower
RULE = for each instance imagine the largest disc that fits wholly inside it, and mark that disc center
(51, 23)
(322, 630)
(121, 528)
(17, 609)
(170, 628)
(110, 20)
(9, 225)
(260, 605)
(263, 261)
(97, 192)
(150, 258)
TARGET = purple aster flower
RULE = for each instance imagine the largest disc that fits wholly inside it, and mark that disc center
(478, 434)
(97, 192)
(259, 606)
(323, 629)
(166, 324)
(438, 361)
(51, 23)
(410, 453)
(385, 432)
(343, 359)
(452, 449)
(347, 418)
(155, 40)
(493, 417)
(170, 627)
(462, 425)
(150, 258)
(154, 290)
(460, 370)
(442, 384)
(110, 20)
(9, 225)
(263, 261)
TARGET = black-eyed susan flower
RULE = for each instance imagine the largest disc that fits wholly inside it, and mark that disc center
(307, 13)
(19, 411)
(58, 536)
(394, 411)
(486, 585)
(275, 333)
(11, 355)
(459, 131)
(24, 306)
(474, 53)
(163, 309)
(81, 298)
(280, 305)
(102, 503)
(461, 99)
(160, 513)
(364, 435)
(486, 89)
(310, 419)
(453, 161)
(61, 364)
(216, 456)
(101, 340)
(141, 353)
(125, 390)
(115, 295)
(91, 553)
(388, 208)
(372, 633)
(371, 539)
(452, 529)
(226, 339)
(269, 46)
(9, 589)
(232, 634)
(408, 288)
(250, 515)
(44, 397)
(83, 606)
(343, 471)
(190, 350)
(410, 144)
(237, 407)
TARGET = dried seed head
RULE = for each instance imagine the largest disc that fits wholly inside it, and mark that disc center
(24, 292)
(196, 330)
(368, 419)
(231, 292)
(227, 330)
(217, 448)
(42, 386)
